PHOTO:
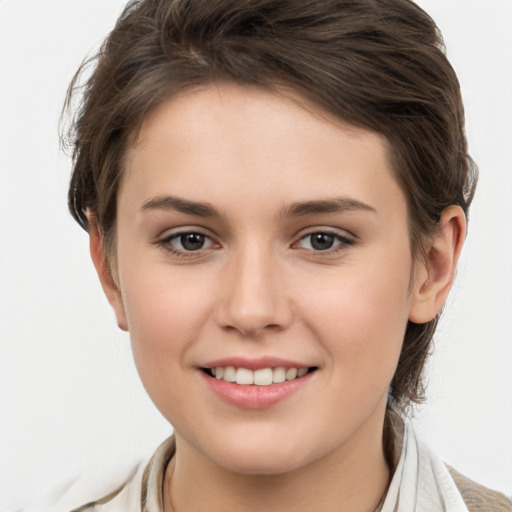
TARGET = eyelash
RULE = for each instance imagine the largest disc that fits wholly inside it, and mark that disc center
(166, 244)
(341, 242)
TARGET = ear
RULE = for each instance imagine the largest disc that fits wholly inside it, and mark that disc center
(434, 277)
(105, 274)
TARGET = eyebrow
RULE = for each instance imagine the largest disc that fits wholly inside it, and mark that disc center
(336, 205)
(298, 209)
(180, 205)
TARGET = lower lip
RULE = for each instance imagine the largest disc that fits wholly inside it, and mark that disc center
(252, 396)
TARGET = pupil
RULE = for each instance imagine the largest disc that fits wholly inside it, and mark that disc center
(322, 241)
(192, 241)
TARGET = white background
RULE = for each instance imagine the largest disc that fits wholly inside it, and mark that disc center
(70, 400)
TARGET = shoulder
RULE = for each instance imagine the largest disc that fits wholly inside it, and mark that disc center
(128, 491)
(420, 471)
(124, 496)
(477, 497)
(116, 491)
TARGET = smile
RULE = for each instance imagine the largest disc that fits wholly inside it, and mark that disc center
(256, 389)
(260, 377)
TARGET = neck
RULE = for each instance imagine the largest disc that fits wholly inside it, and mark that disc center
(352, 477)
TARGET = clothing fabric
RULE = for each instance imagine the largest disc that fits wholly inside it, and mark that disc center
(421, 483)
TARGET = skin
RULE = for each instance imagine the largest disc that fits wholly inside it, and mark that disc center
(258, 288)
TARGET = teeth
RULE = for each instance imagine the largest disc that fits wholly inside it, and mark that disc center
(244, 376)
(262, 377)
(291, 373)
(229, 374)
(279, 375)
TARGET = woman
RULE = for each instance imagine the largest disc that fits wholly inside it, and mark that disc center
(276, 197)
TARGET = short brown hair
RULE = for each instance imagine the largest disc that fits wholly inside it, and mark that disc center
(377, 64)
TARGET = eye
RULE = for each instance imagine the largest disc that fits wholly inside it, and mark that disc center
(186, 242)
(323, 241)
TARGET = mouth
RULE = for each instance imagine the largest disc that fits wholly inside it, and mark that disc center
(260, 377)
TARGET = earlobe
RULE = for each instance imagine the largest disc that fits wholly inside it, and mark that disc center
(104, 272)
(434, 276)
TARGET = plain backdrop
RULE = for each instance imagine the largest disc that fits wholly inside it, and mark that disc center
(70, 399)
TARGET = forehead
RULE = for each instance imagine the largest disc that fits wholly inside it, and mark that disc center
(231, 142)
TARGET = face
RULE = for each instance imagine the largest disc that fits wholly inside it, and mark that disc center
(261, 241)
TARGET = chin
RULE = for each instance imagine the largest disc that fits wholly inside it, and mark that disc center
(260, 458)
(260, 465)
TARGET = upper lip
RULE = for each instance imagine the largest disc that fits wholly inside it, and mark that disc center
(255, 364)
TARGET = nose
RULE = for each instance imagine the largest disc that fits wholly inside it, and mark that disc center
(253, 297)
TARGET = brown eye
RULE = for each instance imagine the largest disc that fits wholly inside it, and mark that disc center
(192, 241)
(186, 242)
(323, 241)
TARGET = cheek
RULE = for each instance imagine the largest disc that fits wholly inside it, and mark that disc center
(360, 317)
(165, 313)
